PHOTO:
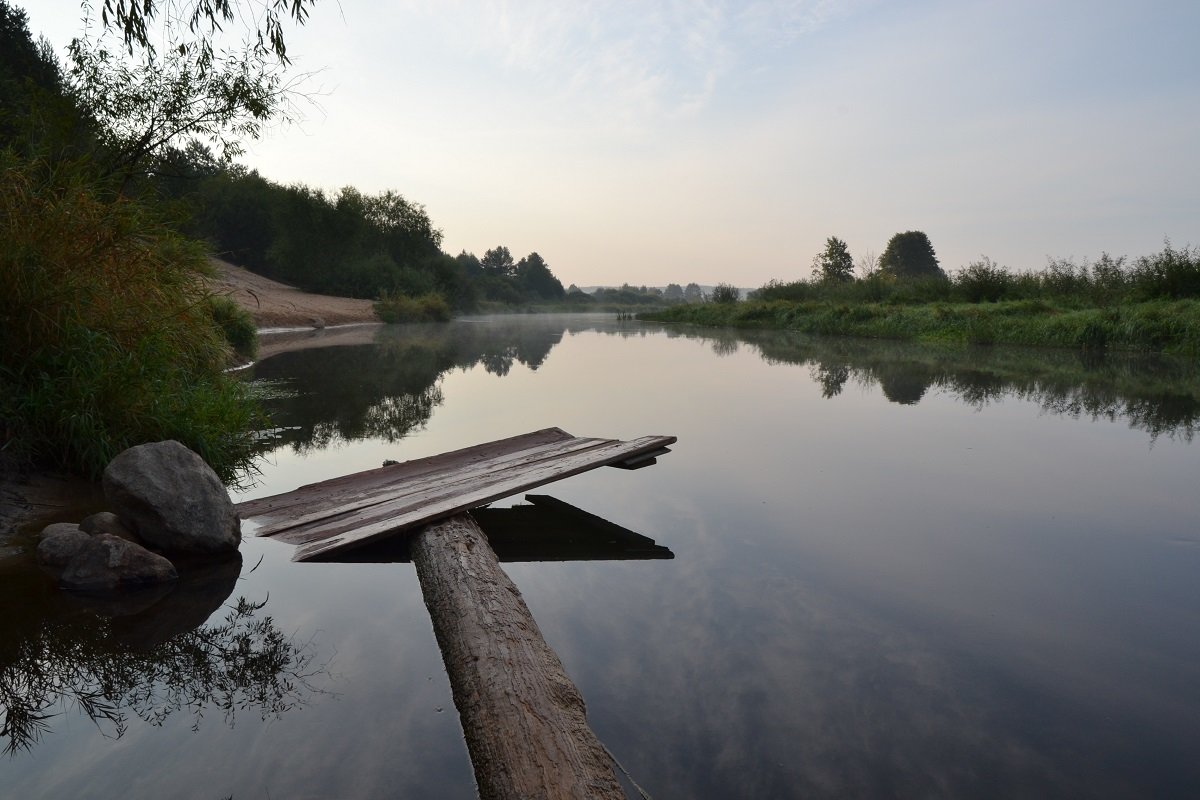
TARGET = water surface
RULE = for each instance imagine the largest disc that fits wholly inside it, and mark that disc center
(898, 571)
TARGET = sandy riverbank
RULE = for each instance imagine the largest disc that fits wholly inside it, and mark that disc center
(277, 305)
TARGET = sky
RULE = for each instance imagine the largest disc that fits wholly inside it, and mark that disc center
(655, 142)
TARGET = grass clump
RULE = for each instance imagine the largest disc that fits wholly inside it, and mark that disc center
(108, 336)
(236, 325)
(395, 307)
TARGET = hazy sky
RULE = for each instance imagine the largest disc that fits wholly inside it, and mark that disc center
(675, 141)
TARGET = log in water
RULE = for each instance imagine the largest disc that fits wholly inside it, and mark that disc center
(523, 718)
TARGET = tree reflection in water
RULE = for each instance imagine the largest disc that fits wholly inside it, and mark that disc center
(1158, 395)
(143, 656)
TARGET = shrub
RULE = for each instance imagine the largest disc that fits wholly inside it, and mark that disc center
(395, 308)
(725, 293)
(982, 281)
(106, 335)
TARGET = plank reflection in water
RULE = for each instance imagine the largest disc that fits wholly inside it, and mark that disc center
(545, 530)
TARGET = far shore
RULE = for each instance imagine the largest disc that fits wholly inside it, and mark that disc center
(274, 305)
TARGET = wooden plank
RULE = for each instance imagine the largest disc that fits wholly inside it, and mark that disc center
(524, 720)
(450, 475)
(348, 487)
(387, 518)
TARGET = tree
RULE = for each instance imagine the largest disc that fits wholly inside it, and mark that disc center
(134, 19)
(535, 278)
(498, 262)
(834, 264)
(725, 293)
(674, 292)
(148, 99)
(910, 255)
(692, 293)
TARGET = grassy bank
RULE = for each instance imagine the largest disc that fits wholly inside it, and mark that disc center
(1150, 304)
(1154, 326)
(108, 336)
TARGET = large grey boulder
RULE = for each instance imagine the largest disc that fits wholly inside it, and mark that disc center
(172, 500)
(106, 563)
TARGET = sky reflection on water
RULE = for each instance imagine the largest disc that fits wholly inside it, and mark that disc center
(898, 570)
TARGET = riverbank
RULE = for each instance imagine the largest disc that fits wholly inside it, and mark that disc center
(1156, 326)
(276, 305)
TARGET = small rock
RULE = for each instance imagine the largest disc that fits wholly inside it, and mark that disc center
(317, 322)
(107, 522)
(59, 543)
(106, 563)
(172, 500)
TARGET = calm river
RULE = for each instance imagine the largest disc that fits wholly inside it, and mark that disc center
(898, 572)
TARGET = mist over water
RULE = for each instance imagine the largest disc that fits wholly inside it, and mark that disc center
(898, 571)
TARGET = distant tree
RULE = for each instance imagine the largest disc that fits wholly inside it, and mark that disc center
(498, 262)
(692, 293)
(867, 264)
(536, 279)
(725, 293)
(674, 292)
(470, 264)
(910, 255)
(833, 264)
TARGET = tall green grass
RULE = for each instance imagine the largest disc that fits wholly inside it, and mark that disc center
(107, 332)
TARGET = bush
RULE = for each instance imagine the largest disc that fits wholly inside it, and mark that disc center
(725, 293)
(395, 308)
(982, 281)
(106, 336)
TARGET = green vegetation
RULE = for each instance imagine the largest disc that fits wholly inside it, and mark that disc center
(107, 336)
(237, 325)
(430, 307)
(116, 179)
(1151, 304)
(833, 264)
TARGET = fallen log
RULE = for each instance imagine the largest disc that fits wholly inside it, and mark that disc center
(523, 719)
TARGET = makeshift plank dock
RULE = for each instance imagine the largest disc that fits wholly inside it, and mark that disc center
(355, 510)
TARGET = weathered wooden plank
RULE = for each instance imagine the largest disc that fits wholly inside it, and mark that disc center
(387, 518)
(524, 720)
(346, 488)
(449, 476)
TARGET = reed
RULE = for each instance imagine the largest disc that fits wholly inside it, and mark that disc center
(107, 331)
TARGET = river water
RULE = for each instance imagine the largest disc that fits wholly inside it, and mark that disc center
(898, 571)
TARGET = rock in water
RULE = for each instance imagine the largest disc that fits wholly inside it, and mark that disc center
(107, 522)
(106, 563)
(59, 544)
(172, 500)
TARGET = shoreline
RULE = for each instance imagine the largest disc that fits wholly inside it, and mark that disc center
(276, 306)
(1169, 327)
